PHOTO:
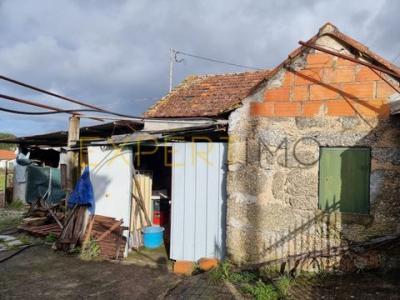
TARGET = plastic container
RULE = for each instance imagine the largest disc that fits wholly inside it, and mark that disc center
(153, 236)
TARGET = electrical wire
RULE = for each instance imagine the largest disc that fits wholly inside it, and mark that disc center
(20, 112)
(212, 60)
(35, 88)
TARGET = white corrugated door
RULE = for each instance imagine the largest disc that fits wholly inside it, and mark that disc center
(198, 200)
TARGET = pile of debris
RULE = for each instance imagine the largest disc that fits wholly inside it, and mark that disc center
(107, 233)
(41, 221)
(42, 230)
(76, 230)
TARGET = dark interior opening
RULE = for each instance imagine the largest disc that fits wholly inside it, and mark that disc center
(156, 161)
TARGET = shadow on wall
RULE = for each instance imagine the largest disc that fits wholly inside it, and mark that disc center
(99, 190)
(321, 239)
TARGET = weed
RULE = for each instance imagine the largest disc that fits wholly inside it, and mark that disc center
(90, 250)
(243, 277)
(222, 272)
(25, 240)
(8, 222)
(75, 251)
(50, 238)
(261, 291)
(283, 284)
(16, 205)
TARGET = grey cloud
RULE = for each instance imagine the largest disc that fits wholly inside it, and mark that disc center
(115, 53)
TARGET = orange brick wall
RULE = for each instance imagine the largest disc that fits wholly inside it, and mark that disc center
(328, 85)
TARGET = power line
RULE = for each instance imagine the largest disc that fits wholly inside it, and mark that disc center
(211, 60)
(35, 88)
(20, 112)
(31, 103)
(59, 110)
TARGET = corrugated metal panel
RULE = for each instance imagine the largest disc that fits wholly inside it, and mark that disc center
(198, 200)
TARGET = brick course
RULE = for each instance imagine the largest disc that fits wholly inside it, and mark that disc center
(343, 87)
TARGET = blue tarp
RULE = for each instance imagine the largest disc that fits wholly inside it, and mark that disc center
(83, 192)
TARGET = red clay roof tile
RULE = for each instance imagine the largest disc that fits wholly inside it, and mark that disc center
(206, 95)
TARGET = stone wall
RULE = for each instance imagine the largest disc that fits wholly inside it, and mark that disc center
(273, 161)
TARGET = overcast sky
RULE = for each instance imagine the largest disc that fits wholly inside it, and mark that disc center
(116, 53)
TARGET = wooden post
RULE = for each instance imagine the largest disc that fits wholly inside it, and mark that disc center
(5, 183)
(72, 155)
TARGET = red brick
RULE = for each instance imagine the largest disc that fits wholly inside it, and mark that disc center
(384, 90)
(366, 74)
(320, 59)
(265, 109)
(206, 264)
(339, 75)
(300, 93)
(278, 94)
(340, 108)
(288, 79)
(358, 90)
(344, 62)
(287, 109)
(308, 76)
(319, 92)
(183, 267)
(378, 108)
(312, 108)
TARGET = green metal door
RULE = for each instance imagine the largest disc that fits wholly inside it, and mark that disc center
(344, 179)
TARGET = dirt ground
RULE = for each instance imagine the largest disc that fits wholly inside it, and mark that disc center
(368, 285)
(40, 273)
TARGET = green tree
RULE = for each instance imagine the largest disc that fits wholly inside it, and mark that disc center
(4, 135)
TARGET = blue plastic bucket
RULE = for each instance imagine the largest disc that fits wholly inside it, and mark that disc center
(153, 236)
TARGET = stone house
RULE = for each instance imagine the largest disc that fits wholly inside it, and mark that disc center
(313, 155)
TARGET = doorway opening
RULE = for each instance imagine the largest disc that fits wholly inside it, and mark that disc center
(153, 171)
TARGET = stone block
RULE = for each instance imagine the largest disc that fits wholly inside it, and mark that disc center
(349, 122)
(305, 123)
(391, 155)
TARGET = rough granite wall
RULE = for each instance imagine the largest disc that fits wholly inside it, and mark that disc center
(272, 198)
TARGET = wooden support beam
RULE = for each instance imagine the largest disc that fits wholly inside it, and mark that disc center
(72, 155)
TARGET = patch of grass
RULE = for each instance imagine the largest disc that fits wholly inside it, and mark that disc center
(90, 250)
(243, 277)
(252, 283)
(283, 285)
(16, 205)
(25, 240)
(221, 272)
(261, 291)
(50, 238)
(8, 222)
